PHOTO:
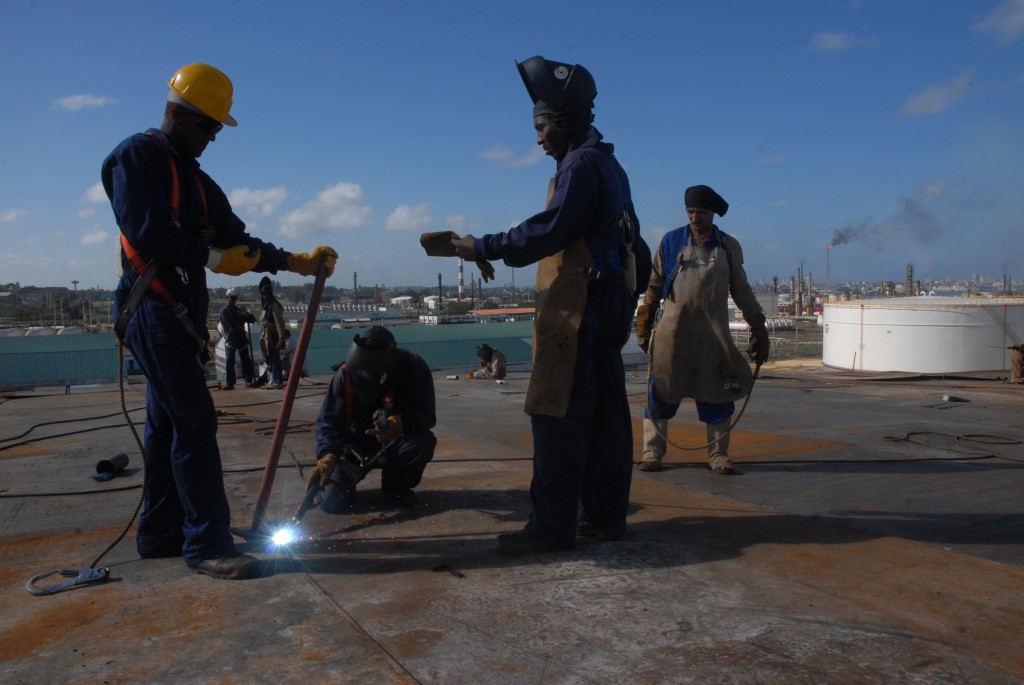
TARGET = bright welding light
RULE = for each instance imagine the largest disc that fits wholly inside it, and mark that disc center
(282, 537)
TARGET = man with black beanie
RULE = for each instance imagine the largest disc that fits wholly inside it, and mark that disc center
(696, 269)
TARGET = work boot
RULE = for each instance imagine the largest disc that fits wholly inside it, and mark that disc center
(233, 566)
(655, 443)
(401, 498)
(718, 448)
(586, 528)
(521, 542)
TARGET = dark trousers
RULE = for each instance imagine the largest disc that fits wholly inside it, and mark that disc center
(275, 372)
(184, 500)
(243, 353)
(403, 470)
(585, 460)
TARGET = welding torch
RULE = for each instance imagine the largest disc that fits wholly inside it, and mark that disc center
(356, 473)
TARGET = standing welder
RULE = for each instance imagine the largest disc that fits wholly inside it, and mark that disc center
(233, 320)
(380, 403)
(273, 335)
(175, 223)
(582, 431)
(696, 269)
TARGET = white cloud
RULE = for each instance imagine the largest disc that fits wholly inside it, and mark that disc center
(73, 103)
(772, 159)
(339, 206)
(1006, 22)
(781, 202)
(409, 218)
(258, 202)
(838, 41)
(96, 237)
(86, 212)
(933, 192)
(15, 259)
(456, 222)
(934, 99)
(10, 216)
(95, 194)
(505, 157)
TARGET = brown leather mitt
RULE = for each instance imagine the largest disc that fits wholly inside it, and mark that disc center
(439, 244)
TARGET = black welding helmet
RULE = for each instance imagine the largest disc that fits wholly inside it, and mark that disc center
(369, 362)
(484, 351)
(562, 87)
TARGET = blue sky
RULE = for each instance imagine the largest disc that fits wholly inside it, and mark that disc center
(894, 128)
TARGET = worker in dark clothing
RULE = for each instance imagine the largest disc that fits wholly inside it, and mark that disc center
(236, 339)
(175, 224)
(582, 431)
(380, 402)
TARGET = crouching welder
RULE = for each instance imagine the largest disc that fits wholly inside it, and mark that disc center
(377, 413)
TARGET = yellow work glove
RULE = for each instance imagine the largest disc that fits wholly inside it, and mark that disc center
(234, 261)
(387, 432)
(306, 263)
(321, 474)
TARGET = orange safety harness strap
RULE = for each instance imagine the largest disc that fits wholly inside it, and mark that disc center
(147, 271)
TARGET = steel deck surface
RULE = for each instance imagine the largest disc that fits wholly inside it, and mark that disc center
(874, 535)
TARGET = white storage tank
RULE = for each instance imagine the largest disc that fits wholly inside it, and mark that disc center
(922, 334)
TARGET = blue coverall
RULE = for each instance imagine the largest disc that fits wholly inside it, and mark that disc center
(185, 503)
(410, 397)
(233, 321)
(586, 457)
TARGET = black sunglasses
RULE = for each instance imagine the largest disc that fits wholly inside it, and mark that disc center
(209, 126)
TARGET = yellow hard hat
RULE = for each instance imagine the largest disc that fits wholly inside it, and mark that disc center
(206, 89)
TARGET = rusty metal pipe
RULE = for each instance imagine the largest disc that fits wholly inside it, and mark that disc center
(294, 377)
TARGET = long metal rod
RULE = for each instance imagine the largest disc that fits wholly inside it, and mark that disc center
(294, 378)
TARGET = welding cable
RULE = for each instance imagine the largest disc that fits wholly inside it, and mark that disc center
(142, 451)
(647, 405)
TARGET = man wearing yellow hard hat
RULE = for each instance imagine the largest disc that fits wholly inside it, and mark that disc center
(175, 223)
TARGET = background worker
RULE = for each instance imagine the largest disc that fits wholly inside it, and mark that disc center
(274, 334)
(492, 363)
(696, 269)
(236, 338)
(376, 376)
(1017, 363)
(582, 432)
(175, 223)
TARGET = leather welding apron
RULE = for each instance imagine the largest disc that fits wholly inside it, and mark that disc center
(561, 298)
(693, 354)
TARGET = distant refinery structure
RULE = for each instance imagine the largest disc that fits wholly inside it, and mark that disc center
(933, 335)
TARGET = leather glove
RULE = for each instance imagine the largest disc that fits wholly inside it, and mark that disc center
(759, 345)
(439, 244)
(486, 270)
(387, 432)
(306, 263)
(321, 474)
(234, 261)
